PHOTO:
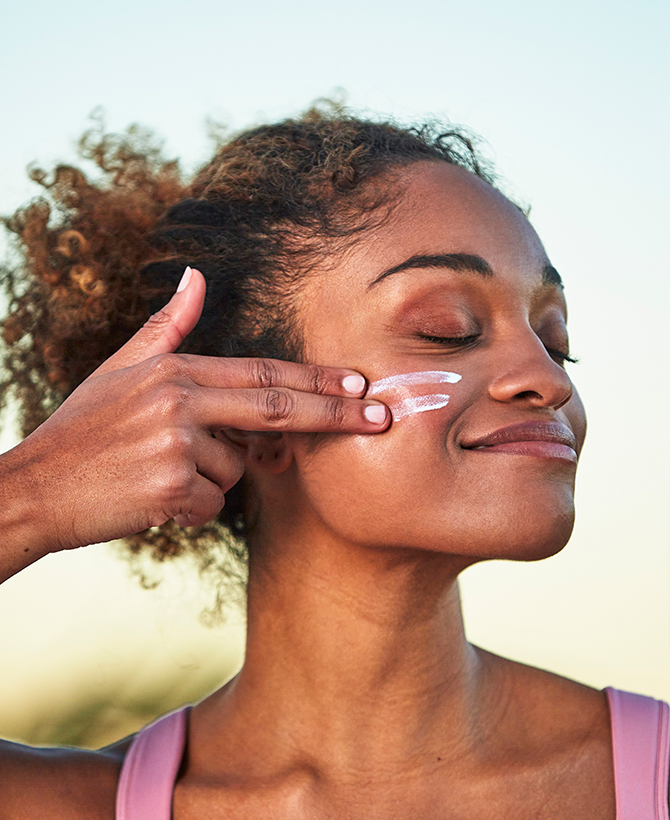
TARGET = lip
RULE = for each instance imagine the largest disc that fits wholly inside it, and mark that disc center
(540, 439)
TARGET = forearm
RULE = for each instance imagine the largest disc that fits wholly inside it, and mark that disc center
(22, 521)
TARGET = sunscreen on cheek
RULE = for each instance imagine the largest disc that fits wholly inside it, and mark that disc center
(419, 404)
(408, 394)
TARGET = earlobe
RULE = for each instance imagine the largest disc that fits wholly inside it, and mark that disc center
(268, 451)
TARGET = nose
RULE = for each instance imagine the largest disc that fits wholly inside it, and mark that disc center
(528, 374)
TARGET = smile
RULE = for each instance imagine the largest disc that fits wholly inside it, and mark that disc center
(538, 439)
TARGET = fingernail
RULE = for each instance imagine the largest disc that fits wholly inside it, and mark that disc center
(186, 278)
(375, 413)
(354, 384)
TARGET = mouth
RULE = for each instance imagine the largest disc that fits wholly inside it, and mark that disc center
(551, 440)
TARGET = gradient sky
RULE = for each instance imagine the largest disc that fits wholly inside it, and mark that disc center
(572, 99)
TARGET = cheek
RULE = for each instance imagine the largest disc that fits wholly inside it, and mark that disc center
(407, 394)
(387, 469)
(364, 486)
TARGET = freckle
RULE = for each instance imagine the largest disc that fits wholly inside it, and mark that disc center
(27, 549)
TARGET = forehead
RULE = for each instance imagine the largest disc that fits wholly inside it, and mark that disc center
(440, 209)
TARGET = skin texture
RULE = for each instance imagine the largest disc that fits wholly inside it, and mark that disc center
(360, 695)
(462, 502)
(135, 444)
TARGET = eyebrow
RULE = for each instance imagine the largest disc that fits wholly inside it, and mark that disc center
(462, 263)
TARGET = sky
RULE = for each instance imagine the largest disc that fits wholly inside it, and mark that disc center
(572, 102)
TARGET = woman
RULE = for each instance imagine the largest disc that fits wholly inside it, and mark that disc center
(393, 407)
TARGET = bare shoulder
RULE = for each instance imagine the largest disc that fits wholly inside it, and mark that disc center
(58, 783)
(556, 736)
(551, 712)
(556, 699)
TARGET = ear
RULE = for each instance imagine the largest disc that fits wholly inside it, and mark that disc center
(268, 451)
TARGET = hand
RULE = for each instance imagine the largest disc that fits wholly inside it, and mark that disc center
(134, 445)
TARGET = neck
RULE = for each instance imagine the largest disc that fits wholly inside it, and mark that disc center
(358, 656)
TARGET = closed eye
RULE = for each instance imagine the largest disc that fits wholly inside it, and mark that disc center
(451, 341)
(467, 341)
(561, 357)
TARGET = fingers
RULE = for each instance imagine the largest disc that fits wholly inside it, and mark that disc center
(214, 393)
(280, 408)
(217, 461)
(198, 474)
(216, 466)
(203, 502)
(210, 371)
(165, 330)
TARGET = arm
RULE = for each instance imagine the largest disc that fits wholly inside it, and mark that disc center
(134, 445)
(61, 784)
(22, 540)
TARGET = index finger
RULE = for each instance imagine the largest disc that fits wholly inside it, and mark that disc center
(250, 373)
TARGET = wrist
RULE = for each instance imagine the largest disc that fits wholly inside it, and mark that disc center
(24, 521)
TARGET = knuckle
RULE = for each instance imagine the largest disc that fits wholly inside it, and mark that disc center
(176, 446)
(173, 398)
(173, 489)
(277, 406)
(264, 372)
(335, 411)
(159, 325)
(158, 321)
(320, 382)
(162, 367)
(156, 519)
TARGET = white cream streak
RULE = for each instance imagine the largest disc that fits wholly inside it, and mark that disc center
(407, 379)
(419, 404)
(404, 384)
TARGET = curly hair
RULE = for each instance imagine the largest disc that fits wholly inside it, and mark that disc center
(98, 256)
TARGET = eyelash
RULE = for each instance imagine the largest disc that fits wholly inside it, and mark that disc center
(456, 341)
(466, 341)
(564, 357)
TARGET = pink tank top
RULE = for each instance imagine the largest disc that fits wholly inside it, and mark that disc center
(640, 741)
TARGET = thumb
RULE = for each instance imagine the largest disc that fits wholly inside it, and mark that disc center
(165, 330)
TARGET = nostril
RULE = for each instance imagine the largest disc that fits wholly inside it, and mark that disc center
(528, 394)
(544, 400)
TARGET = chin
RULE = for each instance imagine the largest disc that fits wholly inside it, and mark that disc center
(507, 526)
(525, 536)
(525, 517)
(536, 546)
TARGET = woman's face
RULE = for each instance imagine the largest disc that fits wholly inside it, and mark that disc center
(455, 282)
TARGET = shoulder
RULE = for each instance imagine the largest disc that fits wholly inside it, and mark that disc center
(553, 733)
(549, 712)
(558, 700)
(60, 784)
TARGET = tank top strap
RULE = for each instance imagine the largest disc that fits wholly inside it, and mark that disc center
(150, 769)
(640, 743)
(641, 749)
